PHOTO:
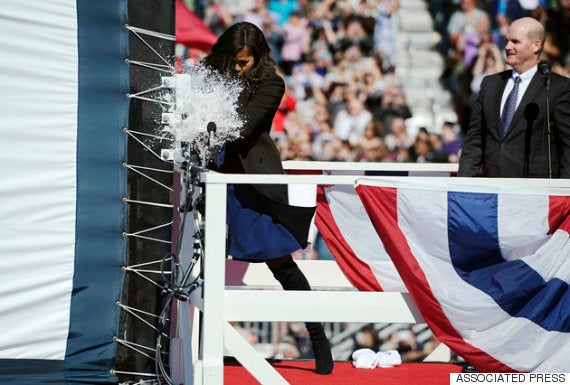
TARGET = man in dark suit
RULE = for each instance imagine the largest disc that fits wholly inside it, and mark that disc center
(519, 145)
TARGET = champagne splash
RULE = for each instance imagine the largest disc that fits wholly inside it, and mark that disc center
(202, 96)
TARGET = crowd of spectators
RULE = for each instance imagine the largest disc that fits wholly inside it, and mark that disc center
(474, 39)
(344, 99)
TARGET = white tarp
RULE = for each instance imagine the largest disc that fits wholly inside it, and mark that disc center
(38, 125)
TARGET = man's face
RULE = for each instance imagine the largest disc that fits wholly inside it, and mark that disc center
(522, 52)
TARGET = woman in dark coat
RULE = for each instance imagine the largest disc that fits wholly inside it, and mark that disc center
(262, 226)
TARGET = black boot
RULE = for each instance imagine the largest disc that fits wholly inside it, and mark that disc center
(321, 348)
(292, 278)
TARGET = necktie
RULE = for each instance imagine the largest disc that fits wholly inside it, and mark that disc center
(510, 106)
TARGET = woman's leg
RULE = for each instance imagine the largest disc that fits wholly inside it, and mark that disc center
(286, 271)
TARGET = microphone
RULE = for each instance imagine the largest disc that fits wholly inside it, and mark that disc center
(211, 128)
(544, 67)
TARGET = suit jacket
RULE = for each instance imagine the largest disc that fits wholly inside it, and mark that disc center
(523, 151)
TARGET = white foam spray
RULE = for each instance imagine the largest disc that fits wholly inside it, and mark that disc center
(203, 96)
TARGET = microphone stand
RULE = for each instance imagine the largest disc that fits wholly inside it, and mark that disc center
(548, 130)
(544, 68)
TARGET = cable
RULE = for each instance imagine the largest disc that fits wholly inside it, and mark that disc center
(177, 284)
(161, 370)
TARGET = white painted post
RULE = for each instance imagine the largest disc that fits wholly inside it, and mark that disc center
(212, 344)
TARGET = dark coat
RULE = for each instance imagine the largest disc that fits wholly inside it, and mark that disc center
(256, 153)
(523, 151)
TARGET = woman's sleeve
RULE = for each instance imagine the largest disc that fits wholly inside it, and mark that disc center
(260, 109)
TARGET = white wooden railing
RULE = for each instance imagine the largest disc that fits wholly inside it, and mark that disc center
(198, 348)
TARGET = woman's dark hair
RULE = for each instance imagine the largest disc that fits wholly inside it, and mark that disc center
(234, 39)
